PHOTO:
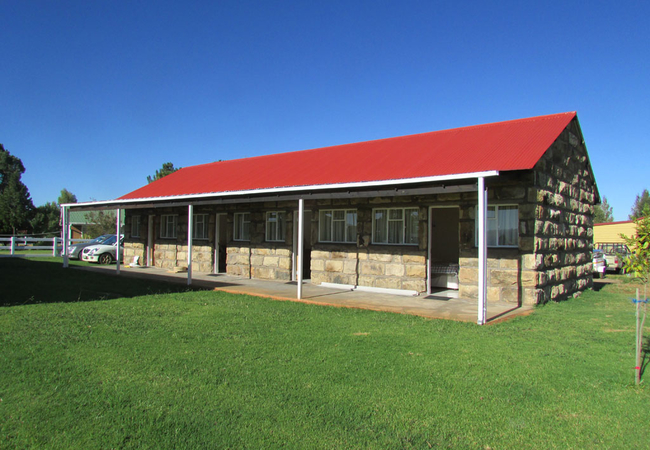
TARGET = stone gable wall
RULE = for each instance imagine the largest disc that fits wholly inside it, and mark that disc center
(555, 201)
(563, 230)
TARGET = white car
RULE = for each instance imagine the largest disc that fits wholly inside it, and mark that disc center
(599, 263)
(102, 253)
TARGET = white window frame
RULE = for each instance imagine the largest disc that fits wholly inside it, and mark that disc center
(280, 217)
(348, 238)
(242, 223)
(164, 226)
(403, 220)
(135, 226)
(495, 220)
(200, 226)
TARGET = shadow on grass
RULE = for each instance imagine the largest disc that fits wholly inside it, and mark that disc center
(599, 284)
(44, 280)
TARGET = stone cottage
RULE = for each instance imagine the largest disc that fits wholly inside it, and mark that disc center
(501, 211)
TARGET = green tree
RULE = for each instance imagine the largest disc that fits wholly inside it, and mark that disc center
(642, 201)
(66, 197)
(603, 212)
(15, 202)
(100, 222)
(165, 170)
(46, 219)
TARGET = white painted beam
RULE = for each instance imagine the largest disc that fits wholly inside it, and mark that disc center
(301, 233)
(118, 252)
(482, 252)
(190, 235)
(65, 212)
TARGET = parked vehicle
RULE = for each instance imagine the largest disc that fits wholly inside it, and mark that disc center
(615, 255)
(103, 253)
(599, 263)
(74, 251)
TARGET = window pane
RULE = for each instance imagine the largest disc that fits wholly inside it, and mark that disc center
(412, 224)
(238, 229)
(395, 231)
(271, 228)
(199, 226)
(351, 225)
(339, 230)
(339, 215)
(380, 225)
(325, 226)
(246, 225)
(271, 231)
(395, 214)
(135, 226)
(508, 219)
(491, 232)
(280, 233)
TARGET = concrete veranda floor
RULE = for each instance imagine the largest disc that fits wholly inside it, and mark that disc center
(433, 306)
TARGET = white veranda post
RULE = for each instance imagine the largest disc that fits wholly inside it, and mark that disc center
(301, 232)
(482, 252)
(118, 252)
(190, 235)
(65, 230)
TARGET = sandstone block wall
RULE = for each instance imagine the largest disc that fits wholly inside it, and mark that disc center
(266, 263)
(376, 267)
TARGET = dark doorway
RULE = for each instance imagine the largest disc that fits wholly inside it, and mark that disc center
(221, 239)
(445, 251)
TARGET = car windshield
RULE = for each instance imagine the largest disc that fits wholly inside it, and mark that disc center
(110, 241)
(100, 239)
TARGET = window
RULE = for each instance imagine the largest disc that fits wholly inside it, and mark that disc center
(338, 225)
(200, 226)
(275, 226)
(168, 226)
(502, 226)
(135, 226)
(242, 227)
(395, 226)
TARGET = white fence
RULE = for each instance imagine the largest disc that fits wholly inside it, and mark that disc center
(16, 243)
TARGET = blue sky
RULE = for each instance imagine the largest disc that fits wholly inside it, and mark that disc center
(96, 95)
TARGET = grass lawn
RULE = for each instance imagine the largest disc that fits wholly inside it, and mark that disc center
(143, 369)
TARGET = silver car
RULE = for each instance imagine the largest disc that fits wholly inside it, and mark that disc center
(74, 251)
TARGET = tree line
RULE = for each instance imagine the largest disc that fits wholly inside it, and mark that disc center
(604, 212)
(18, 215)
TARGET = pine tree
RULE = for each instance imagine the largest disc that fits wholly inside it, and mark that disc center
(166, 169)
(642, 201)
(603, 212)
(15, 202)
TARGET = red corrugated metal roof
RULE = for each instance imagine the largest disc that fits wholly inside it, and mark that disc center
(501, 146)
